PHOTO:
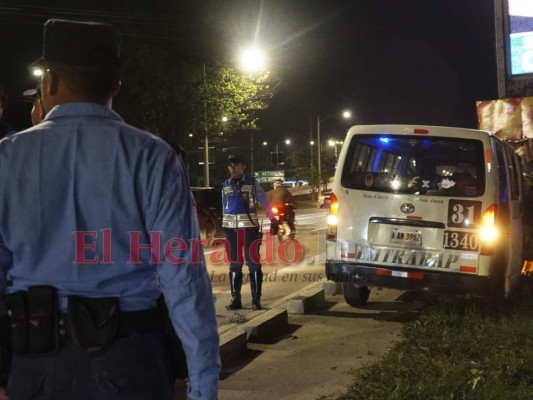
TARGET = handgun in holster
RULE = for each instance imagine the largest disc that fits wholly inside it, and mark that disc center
(92, 322)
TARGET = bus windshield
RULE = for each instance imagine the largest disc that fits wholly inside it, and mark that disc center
(432, 166)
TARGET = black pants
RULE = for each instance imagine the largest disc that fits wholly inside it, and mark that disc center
(134, 368)
(244, 245)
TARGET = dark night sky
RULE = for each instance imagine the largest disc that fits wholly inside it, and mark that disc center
(403, 61)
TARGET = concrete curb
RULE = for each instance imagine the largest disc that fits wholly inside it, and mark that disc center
(267, 324)
(232, 343)
(270, 323)
(311, 300)
(332, 288)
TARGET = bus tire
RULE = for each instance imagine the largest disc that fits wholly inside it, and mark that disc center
(355, 295)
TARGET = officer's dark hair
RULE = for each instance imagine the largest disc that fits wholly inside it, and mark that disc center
(98, 83)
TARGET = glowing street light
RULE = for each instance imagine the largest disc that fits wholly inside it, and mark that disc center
(346, 114)
(287, 142)
(334, 143)
(252, 60)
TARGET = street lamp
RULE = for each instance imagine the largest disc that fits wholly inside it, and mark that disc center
(277, 152)
(334, 143)
(252, 61)
(311, 144)
(346, 115)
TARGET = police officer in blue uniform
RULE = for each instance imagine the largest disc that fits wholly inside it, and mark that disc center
(97, 222)
(240, 194)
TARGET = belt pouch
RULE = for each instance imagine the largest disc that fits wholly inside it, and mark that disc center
(43, 315)
(92, 322)
(17, 304)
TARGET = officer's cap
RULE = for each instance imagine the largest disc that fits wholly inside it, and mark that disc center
(83, 44)
(30, 94)
(235, 159)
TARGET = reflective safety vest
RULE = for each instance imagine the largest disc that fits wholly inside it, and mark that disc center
(239, 198)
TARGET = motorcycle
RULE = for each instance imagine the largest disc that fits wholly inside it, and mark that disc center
(285, 216)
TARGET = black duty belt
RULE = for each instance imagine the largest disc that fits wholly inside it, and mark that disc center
(129, 322)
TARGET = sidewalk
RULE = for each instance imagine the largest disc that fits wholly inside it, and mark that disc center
(313, 358)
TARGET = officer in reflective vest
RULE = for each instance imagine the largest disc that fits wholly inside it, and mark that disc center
(240, 193)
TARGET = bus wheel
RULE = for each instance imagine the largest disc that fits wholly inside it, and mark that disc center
(355, 295)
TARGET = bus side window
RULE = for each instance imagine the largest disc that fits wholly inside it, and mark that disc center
(502, 175)
(514, 173)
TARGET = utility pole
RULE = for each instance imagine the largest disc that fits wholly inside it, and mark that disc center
(318, 156)
(206, 138)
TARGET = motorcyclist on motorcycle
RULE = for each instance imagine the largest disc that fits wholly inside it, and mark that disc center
(281, 198)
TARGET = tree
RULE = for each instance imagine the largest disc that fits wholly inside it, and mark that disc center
(206, 94)
(299, 160)
(181, 89)
(303, 168)
(327, 167)
(175, 101)
(148, 90)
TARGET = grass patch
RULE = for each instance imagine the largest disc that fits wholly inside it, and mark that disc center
(455, 352)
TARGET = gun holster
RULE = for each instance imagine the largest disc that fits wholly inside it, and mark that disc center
(92, 322)
(33, 320)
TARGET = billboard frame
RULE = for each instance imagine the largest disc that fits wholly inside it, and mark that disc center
(503, 47)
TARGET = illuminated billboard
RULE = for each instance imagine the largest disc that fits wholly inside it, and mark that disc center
(521, 36)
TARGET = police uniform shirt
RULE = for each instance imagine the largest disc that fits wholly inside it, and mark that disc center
(82, 196)
(239, 197)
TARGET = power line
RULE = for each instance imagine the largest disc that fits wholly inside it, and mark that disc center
(117, 16)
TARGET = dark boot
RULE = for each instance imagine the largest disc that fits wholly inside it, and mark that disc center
(235, 281)
(256, 282)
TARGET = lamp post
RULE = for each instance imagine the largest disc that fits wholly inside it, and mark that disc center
(277, 152)
(334, 143)
(252, 61)
(206, 136)
(311, 144)
(345, 114)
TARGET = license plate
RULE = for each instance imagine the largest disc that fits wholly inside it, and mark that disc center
(406, 237)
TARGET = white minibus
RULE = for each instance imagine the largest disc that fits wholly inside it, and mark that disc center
(425, 208)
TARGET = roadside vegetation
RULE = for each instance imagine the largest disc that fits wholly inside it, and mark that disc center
(456, 352)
